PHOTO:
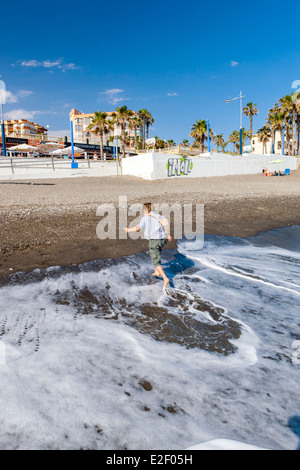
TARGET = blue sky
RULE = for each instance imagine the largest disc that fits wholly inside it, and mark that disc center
(180, 60)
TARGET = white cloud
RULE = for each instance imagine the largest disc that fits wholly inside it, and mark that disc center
(10, 97)
(19, 114)
(24, 93)
(70, 66)
(14, 97)
(49, 64)
(112, 96)
(172, 94)
(113, 91)
(25, 114)
(233, 63)
(30, 63)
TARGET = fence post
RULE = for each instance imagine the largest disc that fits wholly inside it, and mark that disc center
(53, 163)
(88, 160)
(12, 167)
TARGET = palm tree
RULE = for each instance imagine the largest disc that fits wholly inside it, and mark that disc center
(278, 124)
(298, 126)
(245, 135)
(100, 126)
(185, 142)
(234, 138)
(171, 143)
(296, 100)
(224, 145)
(273, 124)
(289, 108)
(121, 117)
(251, 111)
(149, 122)
(135, 123)
(199, 133)
(145, 116)
(218, 140)
(160, 143)
(264, 135)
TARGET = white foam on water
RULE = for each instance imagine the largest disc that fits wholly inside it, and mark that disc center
(74, 367)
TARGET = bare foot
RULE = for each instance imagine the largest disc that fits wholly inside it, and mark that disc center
(155, 274)
(166, 282)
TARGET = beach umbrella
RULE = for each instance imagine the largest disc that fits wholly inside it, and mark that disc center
(274, 162)
(67, 151)
(46, 147)
(23, 148)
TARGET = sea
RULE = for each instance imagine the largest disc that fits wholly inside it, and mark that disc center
(98, 356)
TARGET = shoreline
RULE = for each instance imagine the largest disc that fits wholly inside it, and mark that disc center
(60, 231)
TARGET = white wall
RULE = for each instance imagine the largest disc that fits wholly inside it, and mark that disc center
(153, 166)
(29, 171)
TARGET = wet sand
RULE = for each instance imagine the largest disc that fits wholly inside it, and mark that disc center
(53, 222)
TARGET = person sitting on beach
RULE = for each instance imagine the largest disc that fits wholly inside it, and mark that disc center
(156, 231)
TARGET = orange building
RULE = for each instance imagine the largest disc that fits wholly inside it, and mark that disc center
(22, 128)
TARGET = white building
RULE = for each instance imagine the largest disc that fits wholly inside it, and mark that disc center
(259, 148)
(81, 122)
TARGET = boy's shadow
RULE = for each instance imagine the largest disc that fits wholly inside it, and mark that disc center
(294, 424)
(177, 265)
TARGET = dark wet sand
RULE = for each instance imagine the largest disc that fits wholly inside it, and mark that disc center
(53, 222)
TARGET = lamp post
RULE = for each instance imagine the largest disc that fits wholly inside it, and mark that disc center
(2, 102)
(240, 97)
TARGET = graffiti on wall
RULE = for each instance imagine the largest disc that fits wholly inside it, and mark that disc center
(179, 166)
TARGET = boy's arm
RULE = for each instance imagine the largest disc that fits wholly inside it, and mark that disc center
(132, 229)
(137, 228)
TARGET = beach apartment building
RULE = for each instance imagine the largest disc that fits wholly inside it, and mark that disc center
(81, 121)
(259, 148)
(23, 128)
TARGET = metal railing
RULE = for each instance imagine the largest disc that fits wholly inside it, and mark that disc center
(14, 163)
(42, 137)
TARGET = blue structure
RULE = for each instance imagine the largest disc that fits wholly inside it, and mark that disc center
(241, 141)
(2, 102)
(283, 143)
(208, 138)
(73, 164)
(3, 139)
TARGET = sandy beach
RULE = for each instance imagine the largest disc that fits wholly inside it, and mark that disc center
(53, 222)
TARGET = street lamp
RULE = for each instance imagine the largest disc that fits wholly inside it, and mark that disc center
(2, 102)
(240, 97)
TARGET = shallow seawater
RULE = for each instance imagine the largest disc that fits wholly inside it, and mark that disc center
(98, 357)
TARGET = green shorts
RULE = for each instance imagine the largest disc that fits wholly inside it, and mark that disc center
(155, 247)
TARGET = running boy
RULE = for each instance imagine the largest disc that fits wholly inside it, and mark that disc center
(156, 231)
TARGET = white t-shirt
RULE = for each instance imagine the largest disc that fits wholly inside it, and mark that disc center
(153, 229)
